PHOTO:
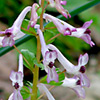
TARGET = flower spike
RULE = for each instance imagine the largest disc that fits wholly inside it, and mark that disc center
(17, 81)
(48, 59)
(78, 70)
(66, 29)
(13, 33)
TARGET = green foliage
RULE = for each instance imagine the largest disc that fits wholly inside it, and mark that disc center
(25, 92)
(31, 59)
(29, 56)
(49, 33)
(40, 65)
(25, 25)
(61, 78)
(39, 11)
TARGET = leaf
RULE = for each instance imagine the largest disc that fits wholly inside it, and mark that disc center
(61, 78)
(29, 84)
(38, 64)
(39, 11)
(29, 56)
(49, 33)
(25, 92)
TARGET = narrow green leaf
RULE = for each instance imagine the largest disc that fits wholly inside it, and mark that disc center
(49, 33)
(29, 84)
(38, 64)
(29, 56)
(39, 11)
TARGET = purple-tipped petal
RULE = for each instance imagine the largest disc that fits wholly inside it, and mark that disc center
(8, 41)
(17, 95)
(83, 59)
(16, 77)
(50, 56)
(2, 32)
(85, 80)
(87, 39)
(87, 24)
(43, 87)
(52, 75)
(79, 91)
(34, 15)
(63, 2)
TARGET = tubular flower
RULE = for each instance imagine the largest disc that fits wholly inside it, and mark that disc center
(34, 16)
(17, 81)
(58, 5)
(48, 59)
(43, 88)
(75, 84)
(67, 29)
(8, 37)
(78, 70)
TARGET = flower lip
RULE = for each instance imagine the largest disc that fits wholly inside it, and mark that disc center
(8, 34)
(88, 31)
(82, 69)
(16, 85)
(51, 64)
(67, 31)
(78, 82)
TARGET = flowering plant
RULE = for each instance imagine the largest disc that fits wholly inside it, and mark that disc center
(50, 53)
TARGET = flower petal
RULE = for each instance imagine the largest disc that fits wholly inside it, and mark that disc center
(20, 69)
(17, 95)
(34, 15)
(70, 82)
(21, 17)
(85, 80)
(87, 39)
(43, 44)
(79, 91)
(8, 41)
(52, 75)
(11, 97)
(63, 2)
(87, 24)
(50, 56)
(16, 77)
(19, 34)
(43, 87)
(83, 60)
(2, 32)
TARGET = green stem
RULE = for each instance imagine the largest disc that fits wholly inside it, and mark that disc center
(36, 69)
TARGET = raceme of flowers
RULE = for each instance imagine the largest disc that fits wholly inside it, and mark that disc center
(49, 52)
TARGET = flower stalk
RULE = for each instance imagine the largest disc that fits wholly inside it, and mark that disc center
(36, 69)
